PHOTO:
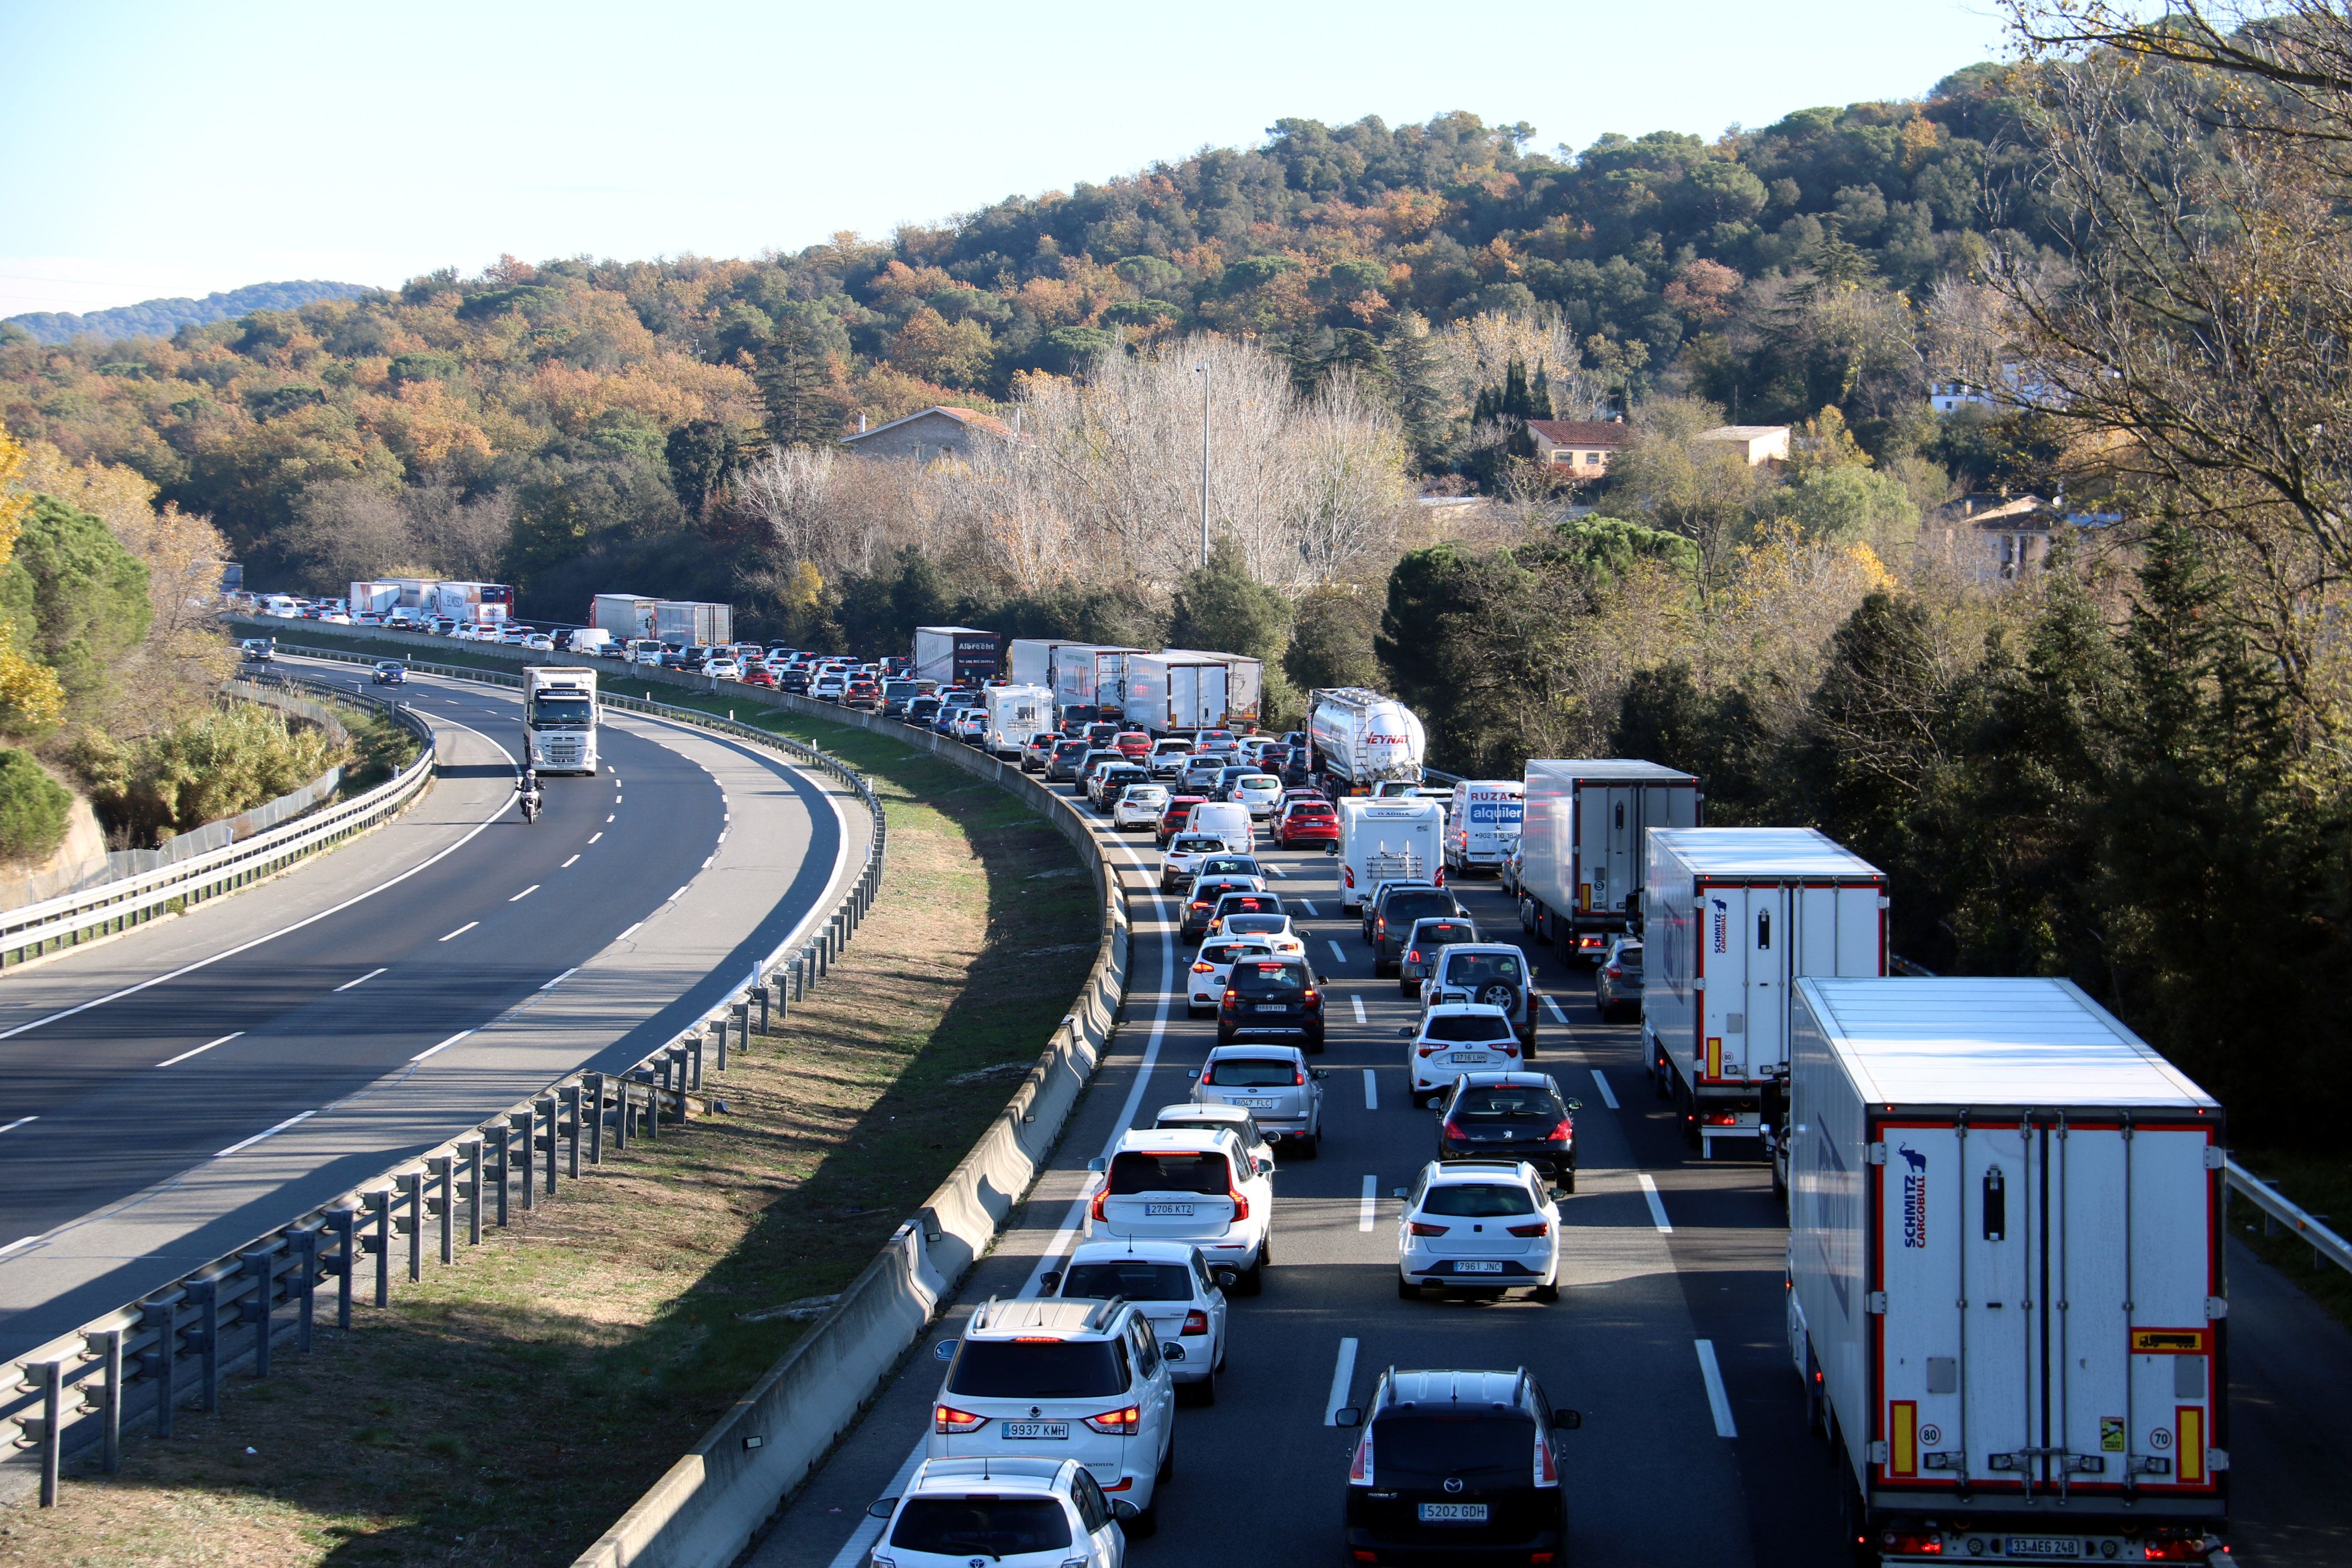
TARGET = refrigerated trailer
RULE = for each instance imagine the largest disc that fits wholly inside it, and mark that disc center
(1168, 694)
(1091, 677)
(1014, 713)
(693, 623)
(625, 616)
(1029, 661)
(955, 656)
(2004, 1266)
(1733, 918)
(1584, 845)
(1243, 684)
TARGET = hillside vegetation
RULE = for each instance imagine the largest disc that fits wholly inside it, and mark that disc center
(162, 318)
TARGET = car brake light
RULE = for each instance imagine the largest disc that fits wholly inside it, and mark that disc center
(1360, 1469)
(1614, 973)
(1546, 1470)
(1563, 1134)
(1200, 903)
(1098, 1214)
(946, 1419)
(1309, 994)
(1454, 1133)
(1195, 1322)
(1297, 1075)
(1380, 925)
(1414, 957)
(1430, 1047)
(1541, 1227)
(1123, 1423)
(1202, 968)
(1421, 1227)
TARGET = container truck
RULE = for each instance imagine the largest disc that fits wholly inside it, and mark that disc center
(1481, 823)
(2004, 1267)
(473, 603)
(1245, 684)
(415, 593)
(625, 616)
(373, 599)
(560, 718)
(1014, 713)
(1733, 918)
(1092, 678)
(1029, 661)
(693, 623)
(1583, 846)
(1360, 738)
(1167, 693)
(955, 656)
(1388, 841)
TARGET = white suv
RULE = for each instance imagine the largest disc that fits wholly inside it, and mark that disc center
(1456, 1037)
(1065, 1380)
(1016, 1513)
(1283, 1095)
(1481, 1225)
(1195, 1186)
(1173, 1286)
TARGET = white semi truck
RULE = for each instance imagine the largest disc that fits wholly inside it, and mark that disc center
(1014, 713)
(560, 718)
(1245, 684)
(1583, 847)
(1733, 919)
(1029, 661)
(955, 656)
(1091, 676)
(2004, 1266)
(1362, 739)
(1168, 693)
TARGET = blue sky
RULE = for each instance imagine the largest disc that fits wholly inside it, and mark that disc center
(162, 149)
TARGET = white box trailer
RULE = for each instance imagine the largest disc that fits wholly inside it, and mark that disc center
(1167, 695)
(1388, 841)
(692, 623)
(2006, 1293)
(1482, 822)
(1014, 713)
(1733, 919)
(1245, 685)
(1029, 661)
(955, 656)
(1091, 675)
(373, 599)
(1584, 845)
(627, 616)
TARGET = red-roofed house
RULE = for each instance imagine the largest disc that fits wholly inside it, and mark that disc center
(1583, 445)
(937, 431)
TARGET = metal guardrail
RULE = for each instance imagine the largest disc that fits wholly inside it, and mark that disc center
(147, 1359)
(2278, 1209)
(62, 921)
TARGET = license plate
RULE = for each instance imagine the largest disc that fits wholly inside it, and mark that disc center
(1472, 1058)
(1274, 1006)
(1168, 1211)
(1453, 1513)
(1032, 1430)
(1261, 1104)
(2044, 1546)
(1477, 1266)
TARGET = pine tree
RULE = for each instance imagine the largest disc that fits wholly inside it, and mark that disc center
(790, 373)
(1417, 377)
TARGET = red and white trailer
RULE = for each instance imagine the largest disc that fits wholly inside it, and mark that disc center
(2005, 1292)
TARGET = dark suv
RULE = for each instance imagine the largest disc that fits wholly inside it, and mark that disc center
(1457, 1467)
(1390, 921)
(1271, 998)
(1511, 1116)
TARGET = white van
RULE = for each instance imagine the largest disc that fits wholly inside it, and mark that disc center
(1226, 820)
(589, 639)
(1387, 841)
(1482, 822)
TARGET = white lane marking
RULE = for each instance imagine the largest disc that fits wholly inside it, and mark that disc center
(443, 1045)
(1368, 1207)
(1371, 1089)
(298, 925)
(707, 859)
(28, 1240)
(1608, 1095)
(258, 1137)
(225, 1039)
(524, 894)
(362, 980)
(1308, 906)
(1657, 1206)
(595, 835)
(567, 864)
(1273, 869)
(626, 933)
(675, 897)
(561, 978)
(1553, 1009)
(1718, 1400)
(20, 1121)
(1343, 1378)
(1336, 955)
(461, 930)
(1361, 1017)
(600, 835)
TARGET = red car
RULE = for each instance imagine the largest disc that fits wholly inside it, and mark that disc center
(1133, 744)
(760, 675)
(1179, 806)
(1314, 822)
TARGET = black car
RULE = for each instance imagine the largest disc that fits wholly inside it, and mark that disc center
(1203, 908)
(1068, 756)
(1511, 1116)
(1390, 921)
(1272, 998)
(922, 712)
(1457, 1467)
(1298, 772)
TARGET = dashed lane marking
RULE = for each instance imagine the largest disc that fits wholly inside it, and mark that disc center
(1553, 1009)
(1657, 1204)
(567, 864)
(1368, 1207)
(1361, 1017)
(362, 980)
(1608, 1095)
(1718, 1400)
(461, 930)
(1337, 955)
(258, 1137)
(524, 894)
(1343, 1378)
(1371, 1089)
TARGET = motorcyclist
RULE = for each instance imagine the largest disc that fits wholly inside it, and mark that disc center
(530, 793)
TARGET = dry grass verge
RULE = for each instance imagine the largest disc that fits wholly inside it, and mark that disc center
(507, 1409)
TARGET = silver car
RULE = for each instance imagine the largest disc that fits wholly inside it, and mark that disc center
(1283, 1095)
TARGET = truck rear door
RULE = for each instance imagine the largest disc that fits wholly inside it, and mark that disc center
(2047, 1284)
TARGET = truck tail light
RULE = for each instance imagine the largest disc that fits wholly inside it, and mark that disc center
(1915, 1543)
(1350, 873)
(1720, 1119)
(1563, 1134)
(1541, 1227)
(2170, 1548)
(1422, 1228)
(947, 1418)
(1195, 1322)
(1121, 1422)
(1441, 875)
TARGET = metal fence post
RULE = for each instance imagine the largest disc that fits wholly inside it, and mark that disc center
(762, 993)
(553, 1113)
(525, 1125)
(591, 1087)
(380, 1244)
(567, 1108)
(111, 1403)
(445, 1197)
(727, 1029)
(501, 1155)
(653, 1104)
(256, 1309)
(345, 1225)
(53, 1411)
(305, 1263)
(471, 1151)
(694, 1059)
(411, 1198)
(206, 1295)
(624, 1107)
(163, 1317)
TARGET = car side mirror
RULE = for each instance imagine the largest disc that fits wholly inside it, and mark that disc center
(1264, 1167)
(1404, 1034)
(1050, 1280)
(1347, 1416)
(1568, 1420)
(1320, 1072)
(1124, 1511)
(1099, 1165)
(1191, 1072)
(1574, 1106)
(1226, 1278)
(882, 1508)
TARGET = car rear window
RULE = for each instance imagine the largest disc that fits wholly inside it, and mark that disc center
(1465, 1028)
(1250, 904)
(1195, 846)
(980, 1525)
(1629, 958)
(1038, 1369)
(1138, 1171)
(1239, 865)
(1147, 794)
(1489, 1442)
(1130, 1278)
(1477, 1200)
(1475, 969)
(1252, 1072)
(1210, 893)
(1259, 780)
(1507, 1102)
(1403, 909)
(1268, 978)
(1221, 953)
(1255, 925)
(1437, 933)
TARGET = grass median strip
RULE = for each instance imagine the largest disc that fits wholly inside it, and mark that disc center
(509, 1409)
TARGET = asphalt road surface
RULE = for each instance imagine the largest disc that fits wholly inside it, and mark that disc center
(197, 1081)
(1668, 1335)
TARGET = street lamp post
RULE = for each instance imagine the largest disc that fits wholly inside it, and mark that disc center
(1203, 371)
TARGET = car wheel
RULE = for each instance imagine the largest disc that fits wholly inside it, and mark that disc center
(1167, 1467)
(1311, 1146)
(1407, 1290)
(1405, 988)
(1546, 1293)
(1253, 1281)
(1144, 1524)
(1200, 1394)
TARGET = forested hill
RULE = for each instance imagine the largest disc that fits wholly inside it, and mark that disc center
(605, 400)
(162, 318)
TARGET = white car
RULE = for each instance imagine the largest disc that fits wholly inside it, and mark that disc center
(1042, 1512)
(1283, 1095)
(539, 642)
(722, 670)
(1231, 1118)
(1142, 807)
(1205, 984)
(1182, 861)
(1168, 757)
(1480, 1225)
(1259, 792)
(646, 653)
(1196, 1185)
(1274, 931)
(828, 688)
(1174, 1284)
(1456, 1037)
(1068, 1380)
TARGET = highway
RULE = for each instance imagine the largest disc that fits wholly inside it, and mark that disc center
(169, 1093)
(1668, 1335)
